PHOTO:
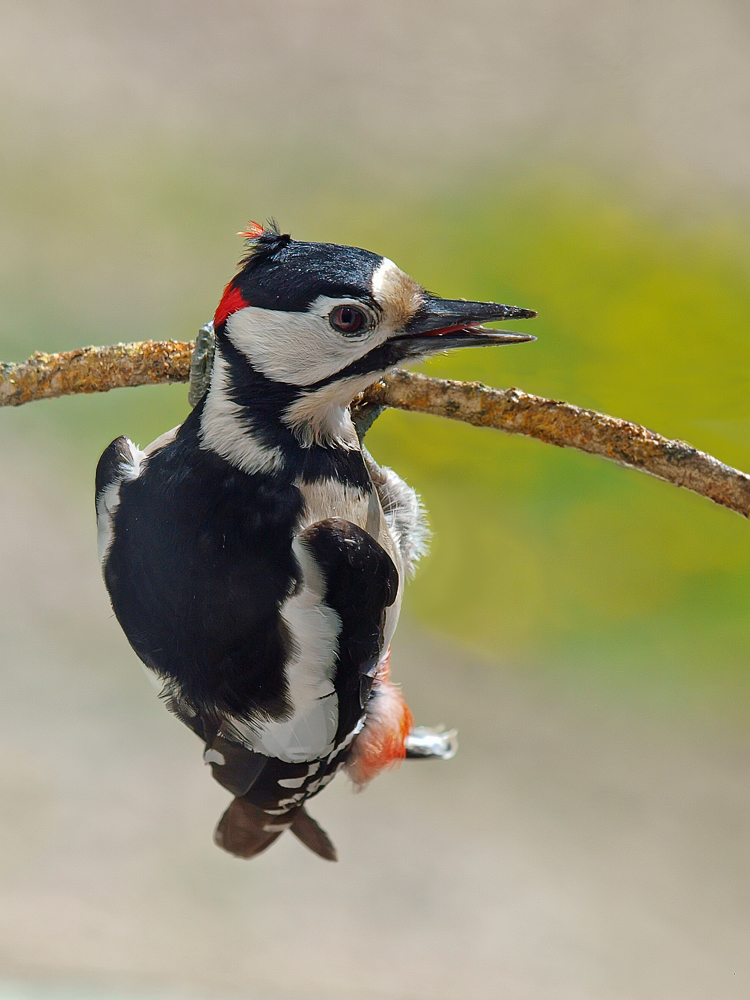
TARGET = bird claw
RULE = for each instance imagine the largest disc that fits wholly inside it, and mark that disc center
(424, 743)
(201, 364)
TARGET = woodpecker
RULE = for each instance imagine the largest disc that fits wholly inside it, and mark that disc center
(255, 556)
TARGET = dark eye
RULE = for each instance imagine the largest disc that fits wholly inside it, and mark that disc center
(348, 320)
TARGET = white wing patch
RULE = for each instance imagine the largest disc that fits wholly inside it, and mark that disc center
(164, 439)
(309, 733)
(331, 498)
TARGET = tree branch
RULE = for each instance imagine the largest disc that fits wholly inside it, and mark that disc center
(94, 369)
(568, 426)
(99, 369)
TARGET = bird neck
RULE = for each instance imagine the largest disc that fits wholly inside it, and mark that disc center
(263, 426)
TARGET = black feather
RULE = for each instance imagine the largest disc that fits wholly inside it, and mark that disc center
(361, 582)
(199, 565)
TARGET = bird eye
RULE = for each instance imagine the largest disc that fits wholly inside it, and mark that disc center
(348, 320)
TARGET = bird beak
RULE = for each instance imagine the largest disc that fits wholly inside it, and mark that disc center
(442, 324)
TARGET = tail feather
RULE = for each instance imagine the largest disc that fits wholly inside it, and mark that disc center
(312, 835)
(245, 830)
(424, 743)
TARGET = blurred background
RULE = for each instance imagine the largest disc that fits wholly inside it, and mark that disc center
(586, 628)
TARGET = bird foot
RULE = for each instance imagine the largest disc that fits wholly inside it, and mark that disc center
(201, 364)
(424, 743)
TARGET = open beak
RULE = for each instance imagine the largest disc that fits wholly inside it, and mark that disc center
(442, 324)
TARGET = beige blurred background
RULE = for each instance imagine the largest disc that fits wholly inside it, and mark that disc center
(584, 627)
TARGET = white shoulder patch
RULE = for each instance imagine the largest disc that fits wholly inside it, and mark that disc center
(331, 498)
(164, 439)
(108, 500)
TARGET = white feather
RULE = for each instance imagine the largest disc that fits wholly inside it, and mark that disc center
(404, 513)
(322, 416)
(309, 733)
(331, 498)
(109, 499)
(225, 427)
(299, 348)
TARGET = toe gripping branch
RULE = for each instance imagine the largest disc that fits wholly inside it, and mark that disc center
(424, 743)
(201, 364)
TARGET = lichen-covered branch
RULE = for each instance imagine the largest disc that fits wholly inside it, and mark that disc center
(94, 369)
(98, 369)
(568, 426)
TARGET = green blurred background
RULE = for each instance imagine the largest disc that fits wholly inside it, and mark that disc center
(540, 557)
(590, 161)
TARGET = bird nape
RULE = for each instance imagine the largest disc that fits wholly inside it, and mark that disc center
(256, 555)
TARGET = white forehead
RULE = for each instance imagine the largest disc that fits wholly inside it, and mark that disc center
(398, 295)
(382, 277)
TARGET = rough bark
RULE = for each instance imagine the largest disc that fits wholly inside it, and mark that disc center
(568, 426)
(98, 369)
(94, 369)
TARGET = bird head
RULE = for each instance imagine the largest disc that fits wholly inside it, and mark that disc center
(311, 313)
(311, 325)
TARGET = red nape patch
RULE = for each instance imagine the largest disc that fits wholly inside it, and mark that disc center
(231, 302)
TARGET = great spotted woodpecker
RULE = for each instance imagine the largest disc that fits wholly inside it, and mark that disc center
(256, 555)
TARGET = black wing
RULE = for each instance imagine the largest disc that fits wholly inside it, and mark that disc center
(361, 582)
(199, 565)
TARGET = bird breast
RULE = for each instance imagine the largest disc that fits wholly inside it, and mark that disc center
(332, 498)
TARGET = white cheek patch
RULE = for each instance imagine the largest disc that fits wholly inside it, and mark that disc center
(298, 348)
